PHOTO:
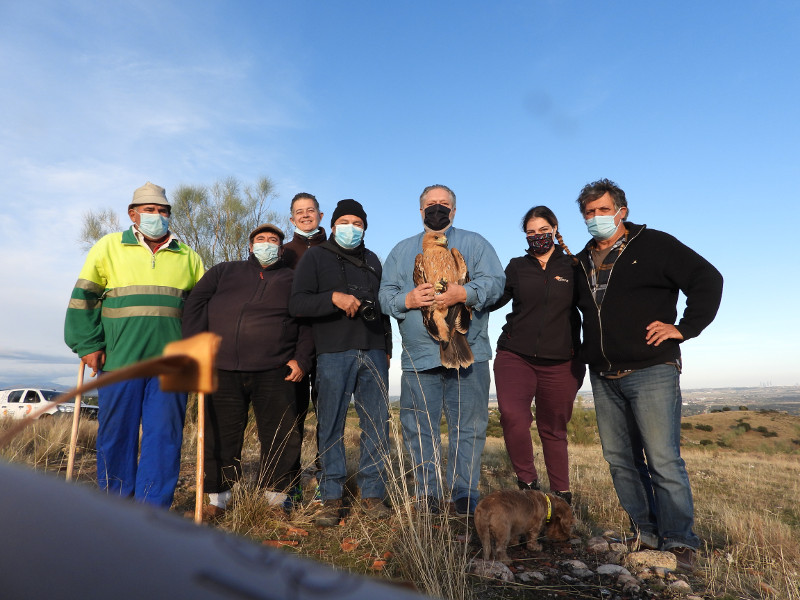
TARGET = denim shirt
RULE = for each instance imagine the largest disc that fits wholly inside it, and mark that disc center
(487, 281)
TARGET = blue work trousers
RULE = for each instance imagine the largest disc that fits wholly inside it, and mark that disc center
(148, 472)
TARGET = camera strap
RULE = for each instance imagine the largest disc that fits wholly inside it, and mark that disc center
(348, 257)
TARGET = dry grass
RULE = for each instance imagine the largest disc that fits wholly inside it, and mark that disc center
(44, 445)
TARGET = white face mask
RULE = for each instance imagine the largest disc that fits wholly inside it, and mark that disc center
(602, 227)
(308, 234)
(153, 225)
(266, 253)
(348, 236)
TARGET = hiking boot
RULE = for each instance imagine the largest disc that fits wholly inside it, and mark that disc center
(565, 496)
(330, 513)
(374, 508)
(685, 558)
(635, 543)
(429, 505)
(465, 507)
(533, 485)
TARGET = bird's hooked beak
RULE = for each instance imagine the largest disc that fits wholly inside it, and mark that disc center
(441, 239)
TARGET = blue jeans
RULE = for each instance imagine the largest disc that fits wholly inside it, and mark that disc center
(123, 406)
(639, 420)
(364, 375)
(464, 395)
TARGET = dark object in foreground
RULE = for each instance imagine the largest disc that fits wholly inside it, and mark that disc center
(173, 558)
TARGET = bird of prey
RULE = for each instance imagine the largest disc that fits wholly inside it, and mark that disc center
(447, 325)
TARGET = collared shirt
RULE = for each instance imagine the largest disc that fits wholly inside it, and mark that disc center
(598, 275)
(143, 242)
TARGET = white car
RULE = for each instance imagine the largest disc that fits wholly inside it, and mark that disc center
(18, 403)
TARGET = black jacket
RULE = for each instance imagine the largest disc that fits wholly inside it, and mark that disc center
(293, 251)
(248, 305)
(544, 322)
(642, 288)
(320, 273)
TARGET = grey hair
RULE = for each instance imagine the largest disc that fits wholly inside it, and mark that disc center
(433, 187)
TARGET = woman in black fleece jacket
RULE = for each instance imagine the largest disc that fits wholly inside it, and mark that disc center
(536, 352)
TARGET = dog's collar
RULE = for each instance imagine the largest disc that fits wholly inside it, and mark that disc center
(549, 509)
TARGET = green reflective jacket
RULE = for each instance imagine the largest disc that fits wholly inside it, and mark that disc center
(129, 300)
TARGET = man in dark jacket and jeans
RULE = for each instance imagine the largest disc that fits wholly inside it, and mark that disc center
(628, 296)
(336, 286)
(263, 353)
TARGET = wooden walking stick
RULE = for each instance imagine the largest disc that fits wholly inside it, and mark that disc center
(187, 365)
(202, 381)
(201, 457)
(76, 417)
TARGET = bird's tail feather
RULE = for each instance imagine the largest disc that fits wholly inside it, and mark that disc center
(457, 354)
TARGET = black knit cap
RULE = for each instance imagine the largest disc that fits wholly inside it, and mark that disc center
(349, 207)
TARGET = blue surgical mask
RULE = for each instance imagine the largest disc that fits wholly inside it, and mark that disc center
(153, 225)
(306, 234)
(266, 253)
(602, 227)
(348, 236)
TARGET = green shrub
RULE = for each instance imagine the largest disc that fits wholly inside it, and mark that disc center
(685, 425)
(706, 442)
(582, 427)
(743, 408)
(702, 427)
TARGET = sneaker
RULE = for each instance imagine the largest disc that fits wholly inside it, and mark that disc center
(330, 513)
(317, 497)
(565, 496)
(533, 485)
(684, 557)
(429, 505)
(465, 507)
(374, 508)
(294, 498)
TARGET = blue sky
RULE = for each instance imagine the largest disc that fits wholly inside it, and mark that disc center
(691, 107)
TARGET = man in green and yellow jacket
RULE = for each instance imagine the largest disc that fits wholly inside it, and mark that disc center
(126, 306)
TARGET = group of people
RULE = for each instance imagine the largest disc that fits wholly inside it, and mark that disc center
(309, 320)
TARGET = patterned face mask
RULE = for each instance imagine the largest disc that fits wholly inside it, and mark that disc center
(540, 243)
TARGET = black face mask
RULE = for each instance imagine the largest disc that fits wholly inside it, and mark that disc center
(437, 217)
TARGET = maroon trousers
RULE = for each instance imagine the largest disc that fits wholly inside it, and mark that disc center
(552, 388)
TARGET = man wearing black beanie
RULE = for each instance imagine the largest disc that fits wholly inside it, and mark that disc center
(336, 287)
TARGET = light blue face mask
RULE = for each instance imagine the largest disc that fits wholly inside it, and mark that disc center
(348, 236)
(266, 253)
(306, 234)
(602, 227)
(153, 225)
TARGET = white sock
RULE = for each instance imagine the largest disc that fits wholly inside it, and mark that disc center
(274, 498)
(221, 499)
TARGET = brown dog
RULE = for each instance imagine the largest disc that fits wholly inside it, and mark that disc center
(504, 515)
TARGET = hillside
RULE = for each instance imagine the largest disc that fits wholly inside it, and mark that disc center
(744, 431)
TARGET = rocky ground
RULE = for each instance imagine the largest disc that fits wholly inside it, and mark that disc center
(593, 568)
